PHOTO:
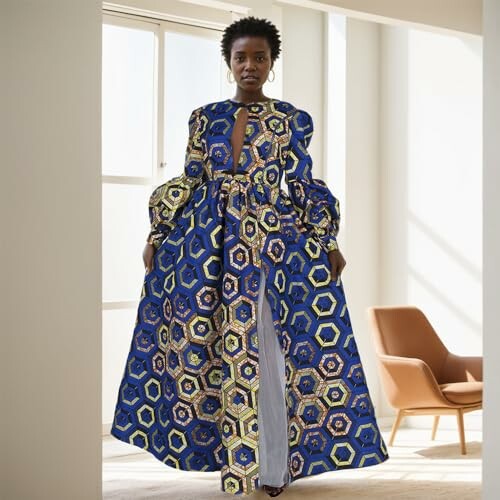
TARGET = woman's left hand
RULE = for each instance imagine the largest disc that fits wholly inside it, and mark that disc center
(337, 263)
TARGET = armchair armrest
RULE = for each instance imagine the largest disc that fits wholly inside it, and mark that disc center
(410, 383)
(462, 369)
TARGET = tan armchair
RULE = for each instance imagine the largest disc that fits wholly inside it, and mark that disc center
(419, 375)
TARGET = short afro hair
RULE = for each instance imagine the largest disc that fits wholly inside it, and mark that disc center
(251, 26)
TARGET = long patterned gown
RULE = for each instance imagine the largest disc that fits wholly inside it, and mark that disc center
(243, 358)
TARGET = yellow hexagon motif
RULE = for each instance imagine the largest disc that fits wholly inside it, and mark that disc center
(280, 281)
(231, 342)
(209, 263)
(247, 370)
(152, 388)
(202, 213)
(327, 334)
(324, 304)
(269, 220)
(312, 248)
(250, 233)
(296, 262)
(242, 459)
(132, 367)
(214, 236)
(169, 283)
(162, 337)
(362, 427)
(238, 257)
(369, 456)
(297, 319)
(285, 310)
(129, 394)
(316, 272)
(271, 177)
(314, 466)
(341, 459)
(215, 376)
(312, 413)
(231, 485)
(239, 401)
(249, 429)
(295, 433)
(200, 328)
(180, 341)
(172, 461)
(165, 269)
(294, 288)
(188, 275)
(242, 312)
(307, 383)
(117, 420)
(154, 286)
(140, 439)
(336, 393)
(196, 242)
(177, 440)
(187, 387)
(146, 415)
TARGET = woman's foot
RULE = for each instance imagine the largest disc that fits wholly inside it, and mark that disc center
(273, 491)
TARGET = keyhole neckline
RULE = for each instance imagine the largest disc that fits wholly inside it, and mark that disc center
(251, 103)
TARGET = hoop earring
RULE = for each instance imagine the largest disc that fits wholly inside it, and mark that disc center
(229, 73)
(274, 76)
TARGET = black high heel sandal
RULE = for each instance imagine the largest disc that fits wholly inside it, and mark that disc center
(273, 491)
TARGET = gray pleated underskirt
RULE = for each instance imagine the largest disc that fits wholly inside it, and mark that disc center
(272, 418)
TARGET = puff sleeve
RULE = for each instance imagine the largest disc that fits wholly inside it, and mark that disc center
(313, 201)
(168, 199)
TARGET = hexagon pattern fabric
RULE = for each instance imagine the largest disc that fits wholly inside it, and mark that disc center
(190, 386)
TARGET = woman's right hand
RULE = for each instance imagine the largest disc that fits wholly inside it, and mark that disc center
(147, 257)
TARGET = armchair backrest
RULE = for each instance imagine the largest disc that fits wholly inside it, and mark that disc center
(406, 331)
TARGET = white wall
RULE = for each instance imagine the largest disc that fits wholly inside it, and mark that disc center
(51, 250)
(491, 209)
(431, 181)
(303, 53)
(359, 234)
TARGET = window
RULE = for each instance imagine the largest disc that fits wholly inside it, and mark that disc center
(154, 74)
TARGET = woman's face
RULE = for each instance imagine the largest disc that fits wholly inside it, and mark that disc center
(250, 62)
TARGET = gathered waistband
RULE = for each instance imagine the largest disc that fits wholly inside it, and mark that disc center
(226, 174)
(259, 179)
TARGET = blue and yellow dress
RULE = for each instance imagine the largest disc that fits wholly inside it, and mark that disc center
(243, 357)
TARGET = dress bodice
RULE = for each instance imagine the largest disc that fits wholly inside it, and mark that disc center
(264, 136)
(273, 146)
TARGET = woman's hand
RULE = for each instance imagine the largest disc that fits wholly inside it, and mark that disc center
(337, 263)
(147, 256)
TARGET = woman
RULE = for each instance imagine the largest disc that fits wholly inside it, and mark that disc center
(243, 358)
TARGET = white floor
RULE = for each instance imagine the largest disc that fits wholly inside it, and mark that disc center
(418, 468)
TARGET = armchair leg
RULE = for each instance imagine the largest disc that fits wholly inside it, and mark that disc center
(395, 426)
(434, 427)
(460, 421)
